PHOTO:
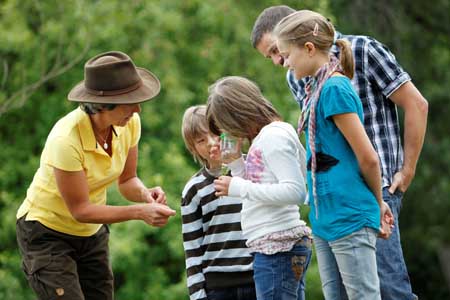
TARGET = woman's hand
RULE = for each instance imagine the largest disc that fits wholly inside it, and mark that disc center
(386, 222)
(221, 185)
(155, 194)
(155, 214)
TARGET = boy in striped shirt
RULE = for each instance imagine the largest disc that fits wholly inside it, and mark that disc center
(218, 264)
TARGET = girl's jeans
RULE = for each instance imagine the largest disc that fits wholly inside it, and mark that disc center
(348, 267)
(281, 276)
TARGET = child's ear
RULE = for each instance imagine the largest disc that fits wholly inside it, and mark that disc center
(310, 48)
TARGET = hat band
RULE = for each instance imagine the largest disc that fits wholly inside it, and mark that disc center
(114, 92)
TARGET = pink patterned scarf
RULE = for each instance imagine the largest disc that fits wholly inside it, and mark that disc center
(313, 89)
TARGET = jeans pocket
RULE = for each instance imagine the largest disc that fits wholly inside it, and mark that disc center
(394, 201)
(302, 256)
(295, 265)
(298, 264)
(372, 235)
(399, 193)
(305, 243)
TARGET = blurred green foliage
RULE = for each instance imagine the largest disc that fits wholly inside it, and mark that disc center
(189, 44)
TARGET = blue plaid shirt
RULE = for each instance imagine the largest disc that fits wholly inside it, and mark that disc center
(377, 76)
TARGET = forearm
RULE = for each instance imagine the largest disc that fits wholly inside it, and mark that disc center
(75, 192)
(133, 189)
(414, 133)
(372, 175)
(155, 214)
(106, 214)
(415, 108)
(351, 127)
(282, 193)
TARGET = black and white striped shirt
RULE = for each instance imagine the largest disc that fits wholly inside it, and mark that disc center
(377, 76)
(216, 255)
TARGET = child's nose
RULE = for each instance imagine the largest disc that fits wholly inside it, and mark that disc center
(276, 60)
(212, 140)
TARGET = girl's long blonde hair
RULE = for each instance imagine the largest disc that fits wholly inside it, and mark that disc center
(307, 26)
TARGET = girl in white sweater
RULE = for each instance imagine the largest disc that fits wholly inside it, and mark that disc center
(270, 182)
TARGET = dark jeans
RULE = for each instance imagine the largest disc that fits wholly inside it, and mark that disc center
(394, 278)
(243, 292)
(281, 276)
(63, 266)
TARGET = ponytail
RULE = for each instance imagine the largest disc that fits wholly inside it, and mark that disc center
(346, 58)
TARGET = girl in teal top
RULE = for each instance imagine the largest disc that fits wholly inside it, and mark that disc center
(345, 202)
(344, 177)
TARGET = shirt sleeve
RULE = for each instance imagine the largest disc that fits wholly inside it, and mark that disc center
(237, 167)
(292, 84)
(63, 154)
(297, 87)
(338, 99)
(383, 69)
(281, 157)
(192, 229)
(136, 130)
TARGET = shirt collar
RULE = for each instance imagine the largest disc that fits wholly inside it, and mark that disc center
(334, 48)
(87, 133)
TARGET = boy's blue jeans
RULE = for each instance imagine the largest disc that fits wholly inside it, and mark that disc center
(281, 276)
(394, 279)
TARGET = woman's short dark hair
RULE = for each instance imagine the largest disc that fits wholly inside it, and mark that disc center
(93, 108)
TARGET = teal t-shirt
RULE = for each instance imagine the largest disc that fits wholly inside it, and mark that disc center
(345, 202)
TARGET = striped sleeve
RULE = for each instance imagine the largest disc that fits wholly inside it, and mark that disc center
(193, 234)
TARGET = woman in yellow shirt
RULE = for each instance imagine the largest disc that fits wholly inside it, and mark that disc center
(60, 231)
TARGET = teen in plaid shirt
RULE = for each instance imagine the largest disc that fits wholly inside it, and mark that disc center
(382, 85)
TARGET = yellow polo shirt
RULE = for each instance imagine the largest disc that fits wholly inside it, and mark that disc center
(71, 146)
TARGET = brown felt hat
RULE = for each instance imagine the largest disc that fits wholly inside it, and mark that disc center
(113, 78)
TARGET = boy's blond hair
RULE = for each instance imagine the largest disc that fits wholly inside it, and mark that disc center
(194, 125)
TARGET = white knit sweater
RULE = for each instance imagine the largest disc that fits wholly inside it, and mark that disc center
(270, 182)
